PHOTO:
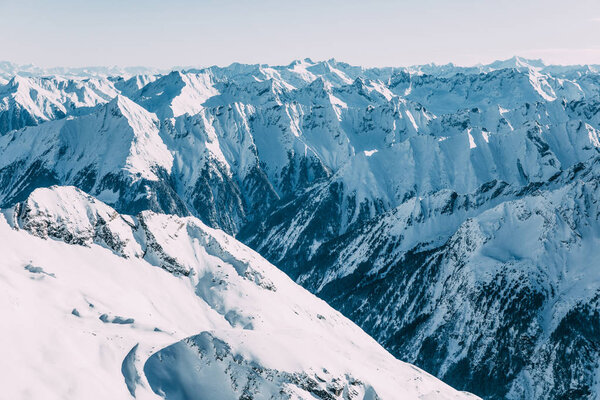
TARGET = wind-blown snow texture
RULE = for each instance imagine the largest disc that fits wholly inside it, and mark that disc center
(448, 211)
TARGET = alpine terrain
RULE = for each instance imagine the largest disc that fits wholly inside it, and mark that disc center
(450, 212)
(109, 306)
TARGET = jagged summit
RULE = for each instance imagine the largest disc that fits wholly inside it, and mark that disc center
(122, 106)
(177, 93)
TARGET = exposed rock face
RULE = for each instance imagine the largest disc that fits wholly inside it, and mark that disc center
(70, 215)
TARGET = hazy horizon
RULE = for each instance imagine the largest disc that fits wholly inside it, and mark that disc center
(378, 33)
(183, 67)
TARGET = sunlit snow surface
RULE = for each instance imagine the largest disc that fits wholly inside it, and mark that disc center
(102, 318)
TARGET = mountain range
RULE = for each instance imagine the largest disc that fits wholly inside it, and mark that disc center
(450, 212)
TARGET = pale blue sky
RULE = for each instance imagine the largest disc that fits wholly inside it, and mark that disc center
(373, 33)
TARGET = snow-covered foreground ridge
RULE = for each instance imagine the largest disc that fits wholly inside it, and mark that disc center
(101, 305)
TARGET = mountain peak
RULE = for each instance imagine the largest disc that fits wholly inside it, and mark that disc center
(320, 85)
(122, 106)
(517, 62)
(177, 93)
(18, 83)
(360, 82)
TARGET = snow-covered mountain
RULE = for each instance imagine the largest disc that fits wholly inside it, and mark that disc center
(9, 69)
(31, 101)
(435, 206)
(502, 297)
(114, 152)
(160, 306)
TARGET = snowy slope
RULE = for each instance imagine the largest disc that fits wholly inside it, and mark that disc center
(109, 306)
